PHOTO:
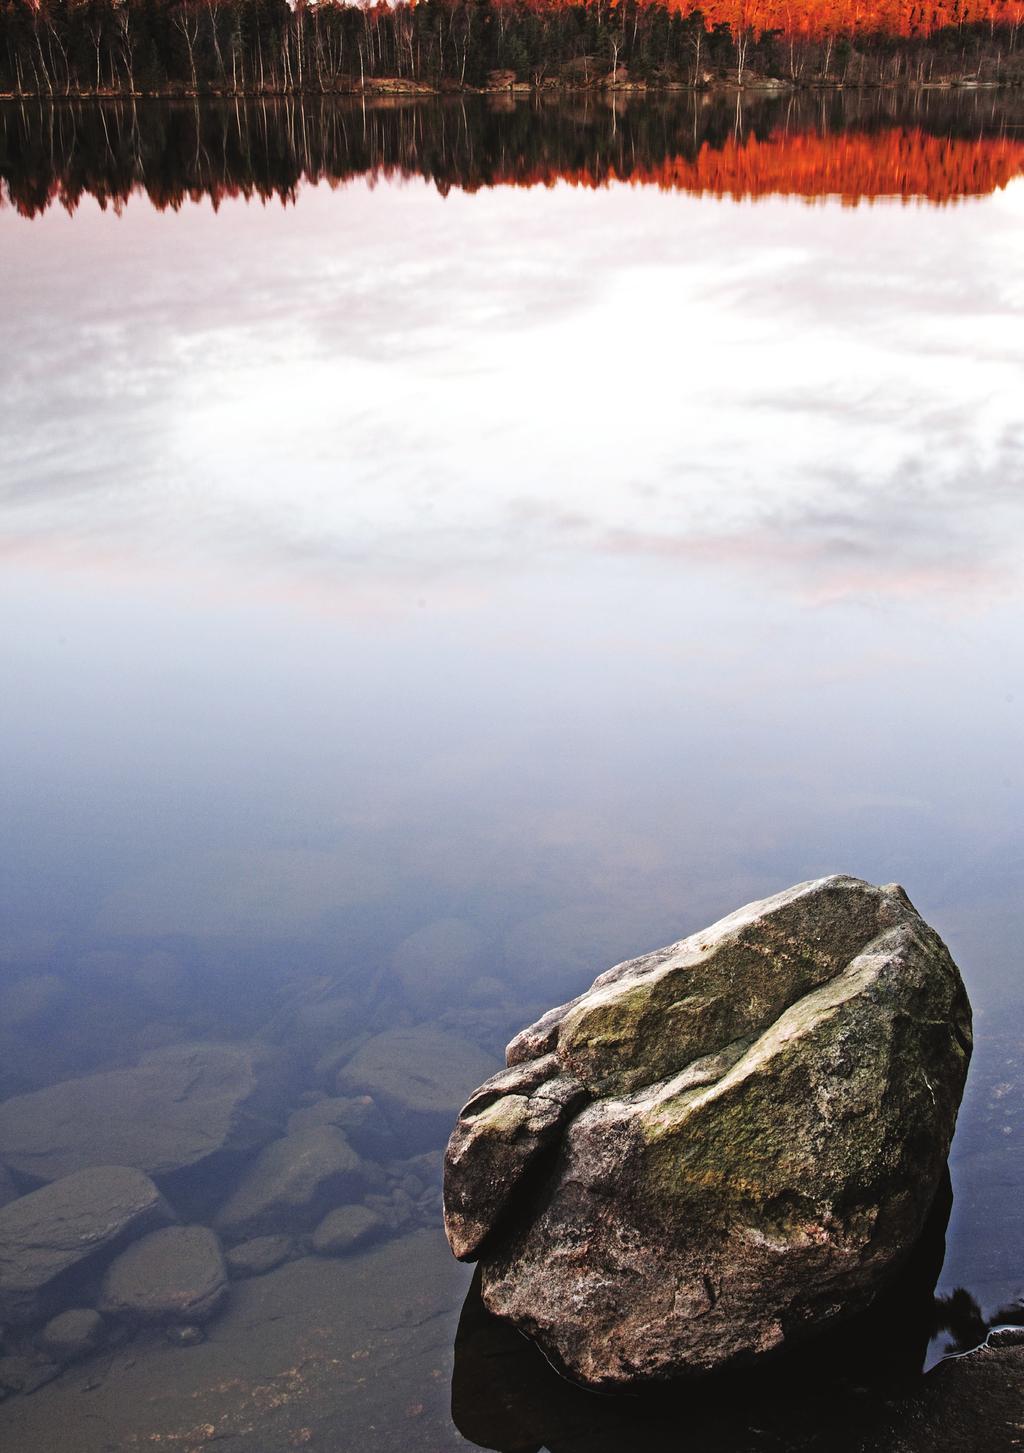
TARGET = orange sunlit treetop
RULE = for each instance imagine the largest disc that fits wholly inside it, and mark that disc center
(818, 18)
(857, 17)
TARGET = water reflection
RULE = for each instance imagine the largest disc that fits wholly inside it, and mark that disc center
(419, 597)
(859, 146)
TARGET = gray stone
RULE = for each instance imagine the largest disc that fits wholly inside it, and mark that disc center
(771, 1106)
(54, 1234)
(72, 1334)
(175, 1275)
(325, 1071)
(419, 1077)
(357, 1115)
(403, 1207)
(345, 1230)
(320, 1022)
(179, 1108)
(291, 1184)
(260, 1255)
(386, 1209)
(436, 961)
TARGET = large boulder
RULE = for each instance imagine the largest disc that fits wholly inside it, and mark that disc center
(179, 1109)
(419, 1077)
(176, 1274)
(291, 1184)
(769, 1107)
(51, 1238)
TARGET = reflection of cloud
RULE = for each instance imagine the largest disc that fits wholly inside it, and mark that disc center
(483, 382)
(905, 535)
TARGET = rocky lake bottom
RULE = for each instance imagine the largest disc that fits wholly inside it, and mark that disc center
(322, 1305)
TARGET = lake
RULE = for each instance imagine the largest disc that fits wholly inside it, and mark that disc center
(449, 548)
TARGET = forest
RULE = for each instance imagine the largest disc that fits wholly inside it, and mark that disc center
(858, 145)
(62, 48)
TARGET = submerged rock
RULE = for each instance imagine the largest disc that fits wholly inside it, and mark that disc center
(357, 1116)
(419, 1077)
(260, 1255)
(437, 961)
(291, 1184)
(72, 1334)
(770, 1106)
(173, 1275)
(346, 1229)
(180, 1107)
(52, 1235)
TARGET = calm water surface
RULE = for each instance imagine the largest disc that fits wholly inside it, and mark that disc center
(422, 594)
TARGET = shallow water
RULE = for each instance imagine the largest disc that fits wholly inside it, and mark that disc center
(423, 594)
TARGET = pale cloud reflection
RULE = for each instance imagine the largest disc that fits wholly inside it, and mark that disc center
(394, 386)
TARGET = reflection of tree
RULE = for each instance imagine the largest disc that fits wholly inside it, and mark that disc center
(857, 148)
(1012, 1315)
(961, 1316)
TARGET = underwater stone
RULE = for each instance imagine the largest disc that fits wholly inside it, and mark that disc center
(291, 1184)
(51, 1235)
(177, 1109)
(176, 1274)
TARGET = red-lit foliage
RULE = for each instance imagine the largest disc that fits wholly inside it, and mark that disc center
(815, 19)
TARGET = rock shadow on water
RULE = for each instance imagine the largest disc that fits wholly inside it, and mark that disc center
(836, 1392)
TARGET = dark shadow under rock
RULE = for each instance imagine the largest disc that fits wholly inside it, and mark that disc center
(835, 1393)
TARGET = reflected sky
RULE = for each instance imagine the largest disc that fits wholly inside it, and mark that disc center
(576, 564)
(308, 392)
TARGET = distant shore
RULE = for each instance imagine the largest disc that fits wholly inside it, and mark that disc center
(399, 86)
(201, 48)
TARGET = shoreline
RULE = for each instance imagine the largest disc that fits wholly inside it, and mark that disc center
(397, 87)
